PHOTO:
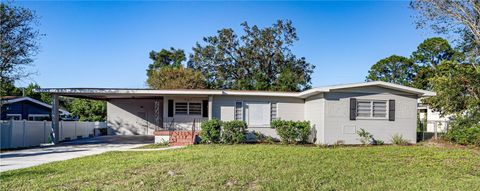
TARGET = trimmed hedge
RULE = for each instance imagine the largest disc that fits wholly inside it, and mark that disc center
(210, 132)
(234, 132)
(292, 131)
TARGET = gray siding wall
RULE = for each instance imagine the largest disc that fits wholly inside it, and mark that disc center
(315, 113)
(339, 128)
(130, 116)
(287, 109)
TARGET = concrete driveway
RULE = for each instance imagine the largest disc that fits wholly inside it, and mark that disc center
(68, 150)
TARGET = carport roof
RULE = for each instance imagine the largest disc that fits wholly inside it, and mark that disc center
(110, 93)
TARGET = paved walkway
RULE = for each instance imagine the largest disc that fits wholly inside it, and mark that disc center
(68, 150)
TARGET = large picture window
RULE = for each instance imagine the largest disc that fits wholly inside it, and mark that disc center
(257, 114)
(372, 109)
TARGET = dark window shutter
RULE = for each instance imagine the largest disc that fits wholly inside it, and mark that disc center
(391, 110)
(353, 109)
(170, 108)
(205, 108)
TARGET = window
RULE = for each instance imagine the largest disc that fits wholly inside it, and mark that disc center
(238, 110)
(38, 117)
(188, 108)
(371, 109)
(181, 108)
(14, 117)
(257, 114)
(273, 111)
(195, 108)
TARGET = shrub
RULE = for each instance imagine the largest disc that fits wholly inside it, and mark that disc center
(210, 132)
(465, 130)
(398, 139)
(292, 131)
(234, 132)
(365, 136)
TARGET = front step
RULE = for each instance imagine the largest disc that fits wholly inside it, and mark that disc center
(178, 138)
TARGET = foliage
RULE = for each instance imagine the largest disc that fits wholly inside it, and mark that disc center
(7, 88)
(429, 54)
(44, 97)
(233, 132)
(365, 136)
(173, 57)
(446, 17)
(18, 41)
(432, 51)
(258, 167)
(465, 129)
(292, 131)
(398, 139)
(393, 69)
(260, 59)
(176, 78)
(457, 87)
(210, 132)
(88, 110)
(261, 138)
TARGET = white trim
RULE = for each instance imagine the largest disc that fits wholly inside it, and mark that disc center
(37, 115)
(235, 110)
(132, 93)
(371, 109)
(34, 101)
(14, 114)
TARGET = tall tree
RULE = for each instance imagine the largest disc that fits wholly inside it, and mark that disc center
(18, 41)
(432, 51)
(173, 57)
(393, 69)
(428, 55)
(169, 77)
(458, 88)
(44, 97)
(447, 16)
(260, 59)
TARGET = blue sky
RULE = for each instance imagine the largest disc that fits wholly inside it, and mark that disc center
(106, 44)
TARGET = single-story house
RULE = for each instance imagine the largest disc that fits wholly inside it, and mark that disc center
(26, 108)
(336, 113)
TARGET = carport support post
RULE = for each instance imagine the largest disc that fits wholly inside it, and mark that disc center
(210, 105)
(55, 118)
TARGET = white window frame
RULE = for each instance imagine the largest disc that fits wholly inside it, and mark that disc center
(188, 108)
(276, 111)
(36, 115)
(371, 109)
(15, 115)
(235, 110)
(246, 118)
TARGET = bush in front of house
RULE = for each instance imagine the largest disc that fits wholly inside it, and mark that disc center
(292, 131)
(398, 139)
(465, 130)
(233, 132)
(210, 132)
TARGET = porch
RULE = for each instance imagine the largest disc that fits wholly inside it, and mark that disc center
(170, 115)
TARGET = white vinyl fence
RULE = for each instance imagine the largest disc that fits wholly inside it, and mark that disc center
(15, 134)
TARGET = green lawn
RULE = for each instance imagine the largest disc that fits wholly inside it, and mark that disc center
(259, 167)
(153, 146)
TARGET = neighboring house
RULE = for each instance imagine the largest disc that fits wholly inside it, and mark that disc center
(435, 122)
(26, 108)
(336, 113)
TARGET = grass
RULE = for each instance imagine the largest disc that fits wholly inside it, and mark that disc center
(259, 167)
(153, 146)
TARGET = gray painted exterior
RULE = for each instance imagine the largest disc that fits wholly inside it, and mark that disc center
(328, 113)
